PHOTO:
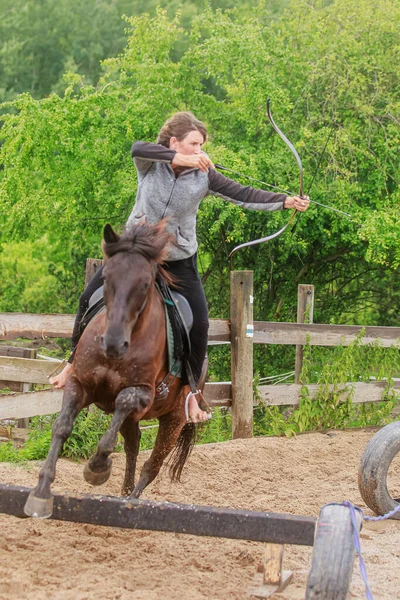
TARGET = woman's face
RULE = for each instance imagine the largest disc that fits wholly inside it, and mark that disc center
(191, 144)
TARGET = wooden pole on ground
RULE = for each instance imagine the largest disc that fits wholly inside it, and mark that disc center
(242, 332)
(305, 314)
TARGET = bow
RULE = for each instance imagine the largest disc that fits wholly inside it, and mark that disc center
(292, 217)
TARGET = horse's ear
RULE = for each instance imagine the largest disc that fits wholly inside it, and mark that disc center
(110, 236)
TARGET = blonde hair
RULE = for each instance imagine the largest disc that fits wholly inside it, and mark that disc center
(179, 126)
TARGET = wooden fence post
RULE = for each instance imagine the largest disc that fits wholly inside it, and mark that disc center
(18, 352)
(305, 314)
(92, 265)
(242, 332)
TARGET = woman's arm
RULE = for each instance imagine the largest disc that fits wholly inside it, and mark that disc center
(244, 195)
(148, 152)
(145, 152)
(250, 197)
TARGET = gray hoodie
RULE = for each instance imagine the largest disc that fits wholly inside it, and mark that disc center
(163, 194)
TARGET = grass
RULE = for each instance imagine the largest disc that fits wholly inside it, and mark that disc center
(89, 426)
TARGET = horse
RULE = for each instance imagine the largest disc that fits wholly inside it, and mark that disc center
(120, 357)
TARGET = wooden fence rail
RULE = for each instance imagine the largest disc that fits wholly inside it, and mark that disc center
(241, 332)
(30, 326)
(45, 402)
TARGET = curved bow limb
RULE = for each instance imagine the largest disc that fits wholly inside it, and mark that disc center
(298, 160)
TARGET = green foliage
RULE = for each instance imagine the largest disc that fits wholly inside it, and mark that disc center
(333, 406)
(89, 427)
(331, 71)
(40, 41)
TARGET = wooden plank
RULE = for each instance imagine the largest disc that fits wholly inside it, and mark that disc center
(25, 325)
(322, 335)
(45, 402)
(37, 371)
(15, 351)
(289, 394)
(167, 516)
(20, 386)
(242, 331)
(30, 404)
(273, 557)
(262, 590)
(30, 326)
(28, 370)
(218, 394)
(219, 331)
(23, 423)
(305, 314)
(274, 579)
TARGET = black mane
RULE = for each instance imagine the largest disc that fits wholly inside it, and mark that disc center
(150, 241)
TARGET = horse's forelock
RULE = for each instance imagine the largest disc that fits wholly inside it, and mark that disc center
(150, 241)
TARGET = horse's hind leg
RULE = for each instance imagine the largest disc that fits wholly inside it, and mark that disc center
(40, 500)
(168, 432)
(131, 434)
(133, 401)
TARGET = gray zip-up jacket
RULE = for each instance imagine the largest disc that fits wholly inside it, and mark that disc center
(163, 194)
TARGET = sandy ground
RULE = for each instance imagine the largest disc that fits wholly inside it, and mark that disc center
(66, 561)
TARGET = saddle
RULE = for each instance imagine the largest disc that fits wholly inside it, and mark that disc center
(179, 321)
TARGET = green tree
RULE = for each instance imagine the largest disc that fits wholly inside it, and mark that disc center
(42, 39)
(330, 69)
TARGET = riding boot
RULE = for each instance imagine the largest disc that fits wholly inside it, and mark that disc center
(201, 384)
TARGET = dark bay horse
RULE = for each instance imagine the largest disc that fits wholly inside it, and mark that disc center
(120, 359)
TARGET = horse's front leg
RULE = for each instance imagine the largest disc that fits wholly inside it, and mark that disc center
(133, 402)
(168, 432)
(131, 433)
(40, 500)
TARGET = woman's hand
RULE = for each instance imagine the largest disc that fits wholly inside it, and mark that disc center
(298, 203)
(60, 380)
(201, 161)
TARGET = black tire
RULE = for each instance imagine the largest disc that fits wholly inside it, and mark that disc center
(375, 462)
(333, 554)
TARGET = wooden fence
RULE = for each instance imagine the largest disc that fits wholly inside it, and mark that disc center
(241, 332)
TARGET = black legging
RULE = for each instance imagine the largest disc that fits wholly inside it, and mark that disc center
(189, 285)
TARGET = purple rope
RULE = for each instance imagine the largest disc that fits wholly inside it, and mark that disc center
(357, 545)
(383, 517)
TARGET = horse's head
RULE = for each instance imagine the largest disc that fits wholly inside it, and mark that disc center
(129, 272)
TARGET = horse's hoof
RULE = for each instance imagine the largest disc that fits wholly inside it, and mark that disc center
(40, 508)
(97, 478)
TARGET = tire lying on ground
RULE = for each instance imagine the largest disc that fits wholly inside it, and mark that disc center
(333, 554)
(375, 462)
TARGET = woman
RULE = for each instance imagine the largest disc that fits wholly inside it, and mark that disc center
(174, 175)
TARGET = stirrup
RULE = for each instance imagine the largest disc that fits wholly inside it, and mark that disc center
(188, 419)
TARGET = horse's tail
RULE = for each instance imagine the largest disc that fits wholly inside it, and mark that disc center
(183, 448)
